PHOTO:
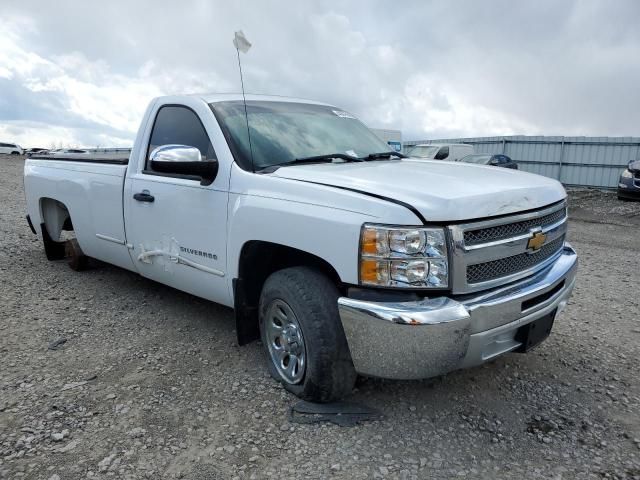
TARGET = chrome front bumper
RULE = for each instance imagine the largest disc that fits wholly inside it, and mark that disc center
(434, 336)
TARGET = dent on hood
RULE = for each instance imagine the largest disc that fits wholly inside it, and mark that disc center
(517, 203)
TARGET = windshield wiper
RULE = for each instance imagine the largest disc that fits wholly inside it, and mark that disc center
(375, 156)
(328, 156)
(331, 156)
(315, 159)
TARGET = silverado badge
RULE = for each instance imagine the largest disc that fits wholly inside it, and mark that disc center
(536, 241)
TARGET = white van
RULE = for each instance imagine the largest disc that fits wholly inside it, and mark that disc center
(11, 148)
(441, 151)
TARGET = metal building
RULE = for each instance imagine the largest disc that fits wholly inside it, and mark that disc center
(579, 161)
(393, 138)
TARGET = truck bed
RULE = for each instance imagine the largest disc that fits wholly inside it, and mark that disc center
(108, 158)
(90, 188)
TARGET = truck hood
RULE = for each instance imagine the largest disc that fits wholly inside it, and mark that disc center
(441, 191)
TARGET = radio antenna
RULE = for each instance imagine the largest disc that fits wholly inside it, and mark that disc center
(243, 45)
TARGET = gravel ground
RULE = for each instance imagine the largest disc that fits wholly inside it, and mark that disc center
(150, 383)
(602, 206)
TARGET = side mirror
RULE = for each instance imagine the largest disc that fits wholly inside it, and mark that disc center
(183, 160)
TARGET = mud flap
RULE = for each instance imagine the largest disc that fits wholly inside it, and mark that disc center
(246, 315)
(54, 250)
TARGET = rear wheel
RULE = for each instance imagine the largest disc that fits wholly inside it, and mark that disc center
(78, 261)
(303, 337)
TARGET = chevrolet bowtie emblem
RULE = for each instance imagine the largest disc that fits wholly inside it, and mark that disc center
(536, 241)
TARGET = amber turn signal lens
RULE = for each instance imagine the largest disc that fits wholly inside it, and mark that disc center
(370, 241)
(374, 272)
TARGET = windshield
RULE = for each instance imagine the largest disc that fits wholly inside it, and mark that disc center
(476, 159)
(424, 151)
(284, 131)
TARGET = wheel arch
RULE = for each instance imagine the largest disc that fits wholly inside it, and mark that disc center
(55, 217)
(258, 259)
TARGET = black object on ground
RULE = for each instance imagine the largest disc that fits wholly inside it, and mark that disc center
(344, 414)
(57, 343)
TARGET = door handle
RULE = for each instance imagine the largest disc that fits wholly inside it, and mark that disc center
(144, 196)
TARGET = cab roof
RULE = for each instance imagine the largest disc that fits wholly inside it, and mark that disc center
(225, 97)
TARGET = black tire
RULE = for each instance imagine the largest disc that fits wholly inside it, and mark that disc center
(15, 153)
(78, 261)
(329, 374)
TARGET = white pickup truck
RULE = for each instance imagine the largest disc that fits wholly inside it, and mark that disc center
(343, 257)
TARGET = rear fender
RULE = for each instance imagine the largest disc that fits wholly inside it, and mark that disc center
(55, 218)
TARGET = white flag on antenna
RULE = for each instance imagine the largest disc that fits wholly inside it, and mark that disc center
(241, 42)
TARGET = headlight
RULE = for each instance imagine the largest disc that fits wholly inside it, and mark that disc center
(627, 174)
(403, 257)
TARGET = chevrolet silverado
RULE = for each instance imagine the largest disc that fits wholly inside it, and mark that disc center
(343, 257)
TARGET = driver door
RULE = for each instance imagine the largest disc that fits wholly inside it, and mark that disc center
(176, 227)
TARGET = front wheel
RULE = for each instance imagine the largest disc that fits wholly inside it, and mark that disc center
(300, 328)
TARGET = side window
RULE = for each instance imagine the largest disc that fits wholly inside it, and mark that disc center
(442, 153)
(175, 125)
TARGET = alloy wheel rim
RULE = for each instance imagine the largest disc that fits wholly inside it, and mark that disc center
(285, 342)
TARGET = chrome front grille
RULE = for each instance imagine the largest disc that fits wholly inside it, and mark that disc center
(490, 234)
(494, 252)
(482, 272)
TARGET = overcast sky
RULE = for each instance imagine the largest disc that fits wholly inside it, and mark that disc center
(82, 72)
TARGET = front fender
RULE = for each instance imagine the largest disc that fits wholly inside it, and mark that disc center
(329, 233)
(321, 220)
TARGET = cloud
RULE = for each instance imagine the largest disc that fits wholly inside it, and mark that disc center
(66, 95)
(46, 135)
(84, 72)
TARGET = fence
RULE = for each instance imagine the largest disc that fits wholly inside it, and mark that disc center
(576, 161)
